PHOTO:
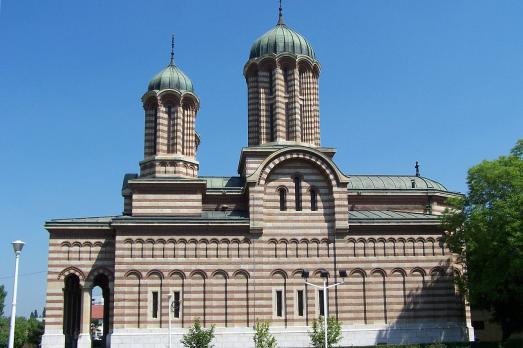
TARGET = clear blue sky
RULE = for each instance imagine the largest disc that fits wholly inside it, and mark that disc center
(436, 81)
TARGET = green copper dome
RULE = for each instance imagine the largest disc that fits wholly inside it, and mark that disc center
(171, 78)
(281, 39)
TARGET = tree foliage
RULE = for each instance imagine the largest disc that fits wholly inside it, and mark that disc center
(262, 337)
(485, 230)
(3, 294)
(28, 332)
(198, 336)
(317, 335)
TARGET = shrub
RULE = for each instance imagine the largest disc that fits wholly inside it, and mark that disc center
(262, 337)
(317, 334)
(198, 336)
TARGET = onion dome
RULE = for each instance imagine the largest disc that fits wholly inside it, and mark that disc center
(281, 39)
(171, 77)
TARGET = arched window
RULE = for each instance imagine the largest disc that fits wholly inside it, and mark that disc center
(286, 79)
(283, 199)
(314, 200)
(155, 130)
(270, 82)
(297, 192)
(170, 128)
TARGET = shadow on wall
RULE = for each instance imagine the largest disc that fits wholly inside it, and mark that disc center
(430, 311)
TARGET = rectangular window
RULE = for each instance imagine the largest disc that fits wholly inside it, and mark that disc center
(270, 82)
(283, 199)
(176, 304)
(279, 303)
(299, 299)
(155, 130)
(286, 80)
(271, 123)
(321, 307)
(297, 193)
(314, 200)
(169, 128)
(154, 308)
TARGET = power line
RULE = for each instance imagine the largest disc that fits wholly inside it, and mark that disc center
(23, 275)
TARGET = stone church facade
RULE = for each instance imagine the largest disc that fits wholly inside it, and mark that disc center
(231, 250)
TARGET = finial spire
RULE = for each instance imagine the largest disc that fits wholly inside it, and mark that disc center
(417, 168)
(172, 50)
(280, 15)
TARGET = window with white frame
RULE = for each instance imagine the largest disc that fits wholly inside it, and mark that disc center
(176, 307)
(278, 303)
(320, 308)
(154, 305)
(299, 303)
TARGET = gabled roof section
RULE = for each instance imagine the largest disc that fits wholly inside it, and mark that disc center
(393, 182)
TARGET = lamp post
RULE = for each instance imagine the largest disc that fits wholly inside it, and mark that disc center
(325, 276)
(171, 310)
(17, 247)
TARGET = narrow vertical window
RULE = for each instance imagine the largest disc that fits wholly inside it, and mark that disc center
(286, 80)
(271, 122)
(155, 130)
(300, 303)
(283, 199)
(297, 193)
(320, 303)
(270, 82)
(176, 304)
(169, 129)
(314, 200)
(154, 308)
(279, 303)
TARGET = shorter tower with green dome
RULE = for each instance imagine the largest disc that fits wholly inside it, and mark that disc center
(171, 141)
(282, 81)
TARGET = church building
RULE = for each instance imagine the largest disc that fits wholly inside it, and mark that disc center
(233, 250)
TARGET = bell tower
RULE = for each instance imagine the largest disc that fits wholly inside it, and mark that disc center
(282, 83)
(171, 141)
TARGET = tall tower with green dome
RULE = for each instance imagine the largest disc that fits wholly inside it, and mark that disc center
(171, 141)
(282, 81)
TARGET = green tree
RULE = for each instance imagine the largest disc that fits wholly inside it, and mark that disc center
(317, 334)
(21, 330)
(3, 294)
(4, 331)
(198, 336)
(262, 337)
(35, 330)
(485, 230)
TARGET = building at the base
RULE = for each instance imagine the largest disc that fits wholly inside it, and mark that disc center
(231, 250)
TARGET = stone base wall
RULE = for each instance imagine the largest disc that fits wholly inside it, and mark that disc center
(53, 338)
(294, 337)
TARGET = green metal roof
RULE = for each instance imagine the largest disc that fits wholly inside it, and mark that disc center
(223, 182)
(389, 215)
(171, 78)
(360, 217)
(393, 182)
(281, 39)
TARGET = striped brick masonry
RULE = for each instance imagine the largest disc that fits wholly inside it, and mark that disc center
(231, 250)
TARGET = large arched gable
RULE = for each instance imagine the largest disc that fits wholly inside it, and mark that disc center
(258, 181)
(331, 171)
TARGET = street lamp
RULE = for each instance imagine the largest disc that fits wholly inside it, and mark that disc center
(325, 275)
(17, 248)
